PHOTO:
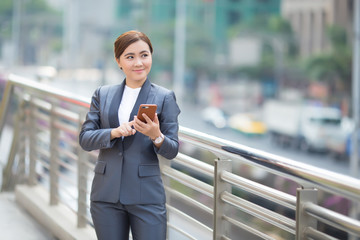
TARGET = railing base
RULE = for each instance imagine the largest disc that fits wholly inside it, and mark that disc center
(59, 219)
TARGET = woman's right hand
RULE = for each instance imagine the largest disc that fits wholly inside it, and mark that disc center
(123, 130)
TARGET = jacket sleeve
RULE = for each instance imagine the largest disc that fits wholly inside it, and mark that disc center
(92, 136)
(169, 126)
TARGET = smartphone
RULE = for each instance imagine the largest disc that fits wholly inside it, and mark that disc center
(148, 109)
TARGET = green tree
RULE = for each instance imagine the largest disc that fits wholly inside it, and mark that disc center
(334, 66)
(278, 48)
(5, 20)
(199, 52)
(39, 27)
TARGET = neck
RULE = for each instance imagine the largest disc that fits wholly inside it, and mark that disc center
(134, 84)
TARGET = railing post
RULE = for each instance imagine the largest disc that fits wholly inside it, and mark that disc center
(82, 182)
(8, 176)
(32, 144)
(5, 101)
(220, 227)
(20, 174)
(303, 220)
(54, 166)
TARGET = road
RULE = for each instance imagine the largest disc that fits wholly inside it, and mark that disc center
(190, 117)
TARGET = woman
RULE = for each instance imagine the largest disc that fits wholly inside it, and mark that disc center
(127, 190)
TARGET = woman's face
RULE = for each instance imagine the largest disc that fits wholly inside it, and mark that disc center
(136, 63)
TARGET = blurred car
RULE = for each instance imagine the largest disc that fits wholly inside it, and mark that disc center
(247, 123)
(44, 73)
(214, 116)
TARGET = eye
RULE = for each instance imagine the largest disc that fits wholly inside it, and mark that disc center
(145, 55)
(129, 57)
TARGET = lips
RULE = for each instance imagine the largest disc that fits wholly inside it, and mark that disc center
(138, 70)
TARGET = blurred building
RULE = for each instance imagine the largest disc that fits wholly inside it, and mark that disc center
(139, 12)
(231, 12)
(310, 18)
(214, 16)
(87, 30)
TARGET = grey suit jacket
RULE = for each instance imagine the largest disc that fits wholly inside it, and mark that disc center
(128, 169)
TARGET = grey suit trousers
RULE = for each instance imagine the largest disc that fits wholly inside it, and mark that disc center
(112, 221)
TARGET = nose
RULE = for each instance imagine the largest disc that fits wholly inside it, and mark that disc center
(138, 62)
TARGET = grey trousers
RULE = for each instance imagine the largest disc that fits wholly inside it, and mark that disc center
(112, 221)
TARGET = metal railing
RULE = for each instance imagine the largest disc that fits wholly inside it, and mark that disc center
(244, 191)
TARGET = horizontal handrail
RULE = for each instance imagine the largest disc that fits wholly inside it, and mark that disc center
(260, 212)
(247, 228)
(306, 174)
(315, 234)
(171, 208)
(172, 226)
(198, 165)
(188, 200)
(332, 218)
(282, 198)
(188, 181)
(40, 88)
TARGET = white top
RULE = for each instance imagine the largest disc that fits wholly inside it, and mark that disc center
(127, 103)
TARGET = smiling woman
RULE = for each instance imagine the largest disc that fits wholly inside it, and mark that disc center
(127, 190)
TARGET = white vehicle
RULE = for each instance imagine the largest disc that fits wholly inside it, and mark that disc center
(338, 143)
(306, 127)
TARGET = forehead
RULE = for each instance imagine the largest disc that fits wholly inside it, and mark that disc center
(137, 47)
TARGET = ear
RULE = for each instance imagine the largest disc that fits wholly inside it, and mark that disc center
(118, 61)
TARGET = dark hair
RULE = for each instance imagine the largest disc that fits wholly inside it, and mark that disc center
(128, 38)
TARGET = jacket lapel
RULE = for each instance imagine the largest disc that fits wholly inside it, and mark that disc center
(114, 106)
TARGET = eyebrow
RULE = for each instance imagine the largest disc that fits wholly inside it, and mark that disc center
(130, 53)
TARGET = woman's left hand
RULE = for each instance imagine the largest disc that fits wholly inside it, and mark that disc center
(148, 128)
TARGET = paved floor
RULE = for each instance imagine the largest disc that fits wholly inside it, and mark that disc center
(17, 224)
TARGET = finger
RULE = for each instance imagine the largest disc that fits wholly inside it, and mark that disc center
(135, 121)
(128, 127)
(136, 125)
(122, 132)
(132, 122)
(138, 128)
(147, 119)
(139, 123)
(156, 119)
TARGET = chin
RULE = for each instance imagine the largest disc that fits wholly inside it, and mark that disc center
(143, 79)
